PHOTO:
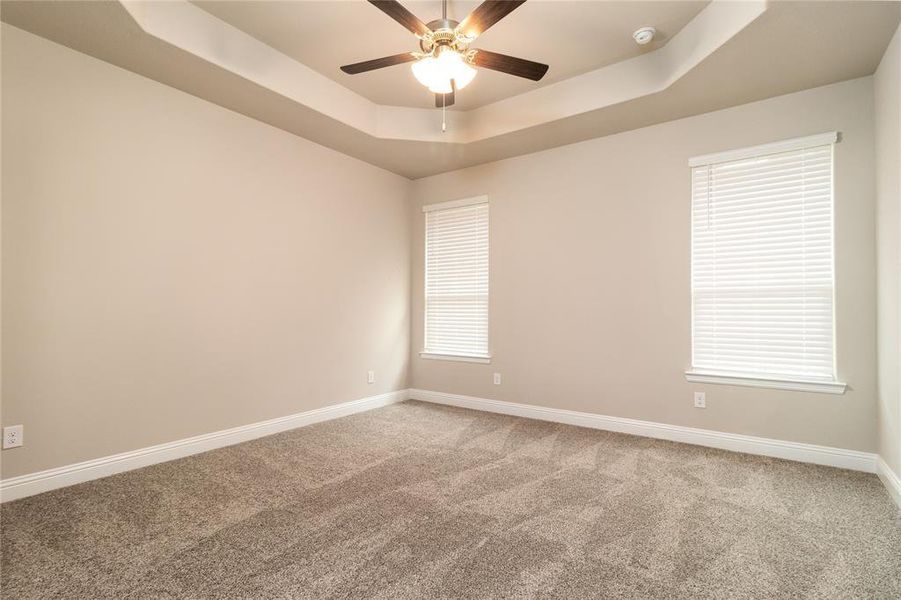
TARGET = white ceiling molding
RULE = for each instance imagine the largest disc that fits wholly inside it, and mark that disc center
(194, 30)
(619, 82)
(730, 53)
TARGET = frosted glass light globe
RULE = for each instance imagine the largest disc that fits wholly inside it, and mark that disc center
(437, 73)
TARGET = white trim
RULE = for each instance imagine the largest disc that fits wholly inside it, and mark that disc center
(796, 385)
(36, 483)
(820, 455)
(890, 479)
(51, 479)
(455, 203)
(455, 357)
(809, 141)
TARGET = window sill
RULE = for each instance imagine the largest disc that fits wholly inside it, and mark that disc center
(455, 357)
(796, 385)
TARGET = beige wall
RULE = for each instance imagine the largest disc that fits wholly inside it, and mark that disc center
(172, 268)
(888, 181)
(590, 274)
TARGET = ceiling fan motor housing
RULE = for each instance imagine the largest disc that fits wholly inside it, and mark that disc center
(443, 33)
(438, 24)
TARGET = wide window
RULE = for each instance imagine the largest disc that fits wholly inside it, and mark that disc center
(456, 280)
(762, 278)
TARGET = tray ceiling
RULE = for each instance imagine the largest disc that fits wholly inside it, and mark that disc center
(572, 37)
(729, 53)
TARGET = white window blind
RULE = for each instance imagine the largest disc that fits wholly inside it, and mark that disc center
(762, 261)
(456, 278)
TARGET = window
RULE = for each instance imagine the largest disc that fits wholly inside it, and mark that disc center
(762, 266)
(456, 280)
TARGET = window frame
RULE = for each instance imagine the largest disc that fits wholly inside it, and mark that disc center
(702, 375)
(434, 354)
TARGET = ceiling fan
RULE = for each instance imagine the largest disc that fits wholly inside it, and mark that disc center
(445, 63)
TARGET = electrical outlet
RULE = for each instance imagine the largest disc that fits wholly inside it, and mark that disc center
(700, 400)
(13, 436)
(370, 377)
(497, 379)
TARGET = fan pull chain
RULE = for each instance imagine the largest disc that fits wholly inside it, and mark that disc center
(444, 96)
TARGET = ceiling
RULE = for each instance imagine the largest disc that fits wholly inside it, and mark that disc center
(573, 37)
(730, 53)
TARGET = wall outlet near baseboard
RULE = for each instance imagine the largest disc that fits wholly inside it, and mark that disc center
(13, 436)
(497, 379)
(700, 400)
(370, 377)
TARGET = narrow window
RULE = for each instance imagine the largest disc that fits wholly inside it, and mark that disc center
(456, 279)
(762, 281)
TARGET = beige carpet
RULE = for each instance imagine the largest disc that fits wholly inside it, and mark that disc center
(423, 501)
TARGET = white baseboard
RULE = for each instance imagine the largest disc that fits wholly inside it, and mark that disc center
(891, 481)
(51, 479)
(820, 455)
(35, 483)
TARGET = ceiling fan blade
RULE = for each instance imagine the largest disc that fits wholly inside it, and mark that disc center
(378, 63)
(509, 64)
(396, 11)
(487, 14)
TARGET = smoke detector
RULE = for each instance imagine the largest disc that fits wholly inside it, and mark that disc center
(644, 35)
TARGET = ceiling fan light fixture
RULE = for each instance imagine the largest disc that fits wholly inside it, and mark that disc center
(440, 85)
(436, 73)
(427, 73)
(455, 66)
